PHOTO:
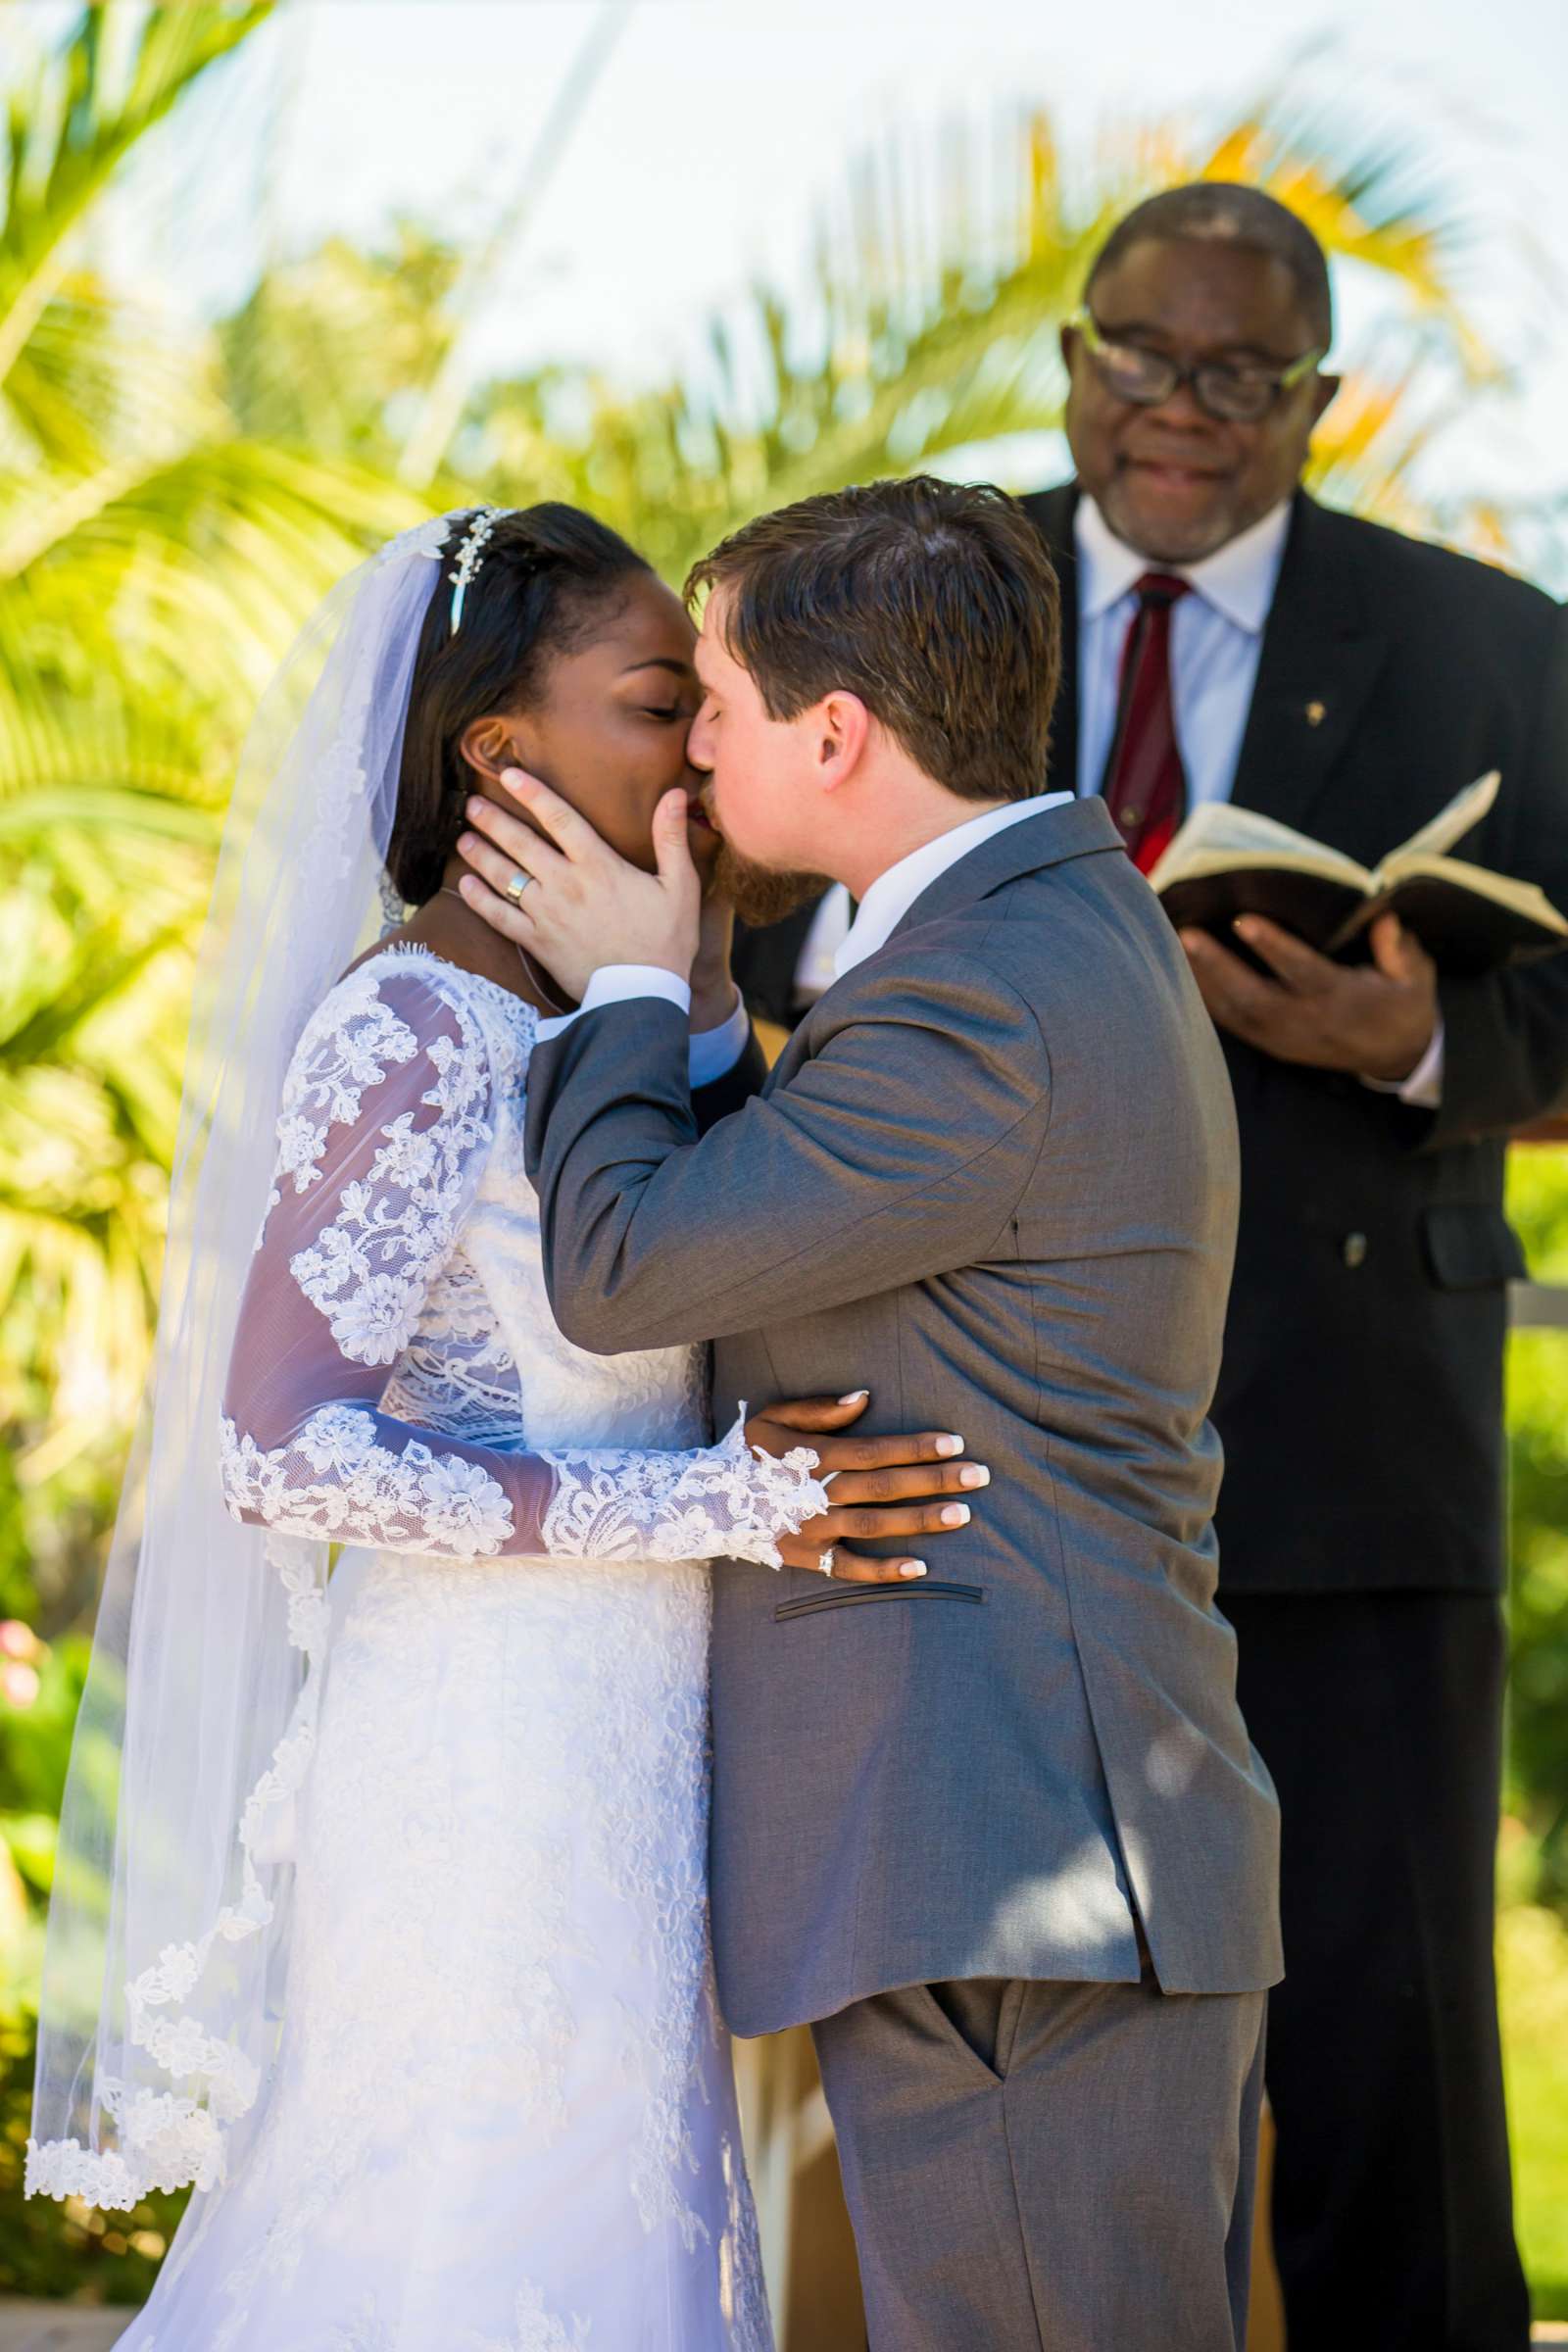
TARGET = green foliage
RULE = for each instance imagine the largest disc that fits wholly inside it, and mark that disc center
(1533, 1997)
(332, 352)
(1538, 1421)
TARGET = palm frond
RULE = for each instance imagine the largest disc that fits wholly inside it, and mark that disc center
(70, 129)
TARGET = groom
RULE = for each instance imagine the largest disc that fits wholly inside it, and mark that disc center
(997, 1834)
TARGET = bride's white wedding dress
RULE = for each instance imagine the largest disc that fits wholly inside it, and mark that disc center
(502, 2116)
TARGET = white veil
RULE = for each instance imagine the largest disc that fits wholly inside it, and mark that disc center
(168, 1928)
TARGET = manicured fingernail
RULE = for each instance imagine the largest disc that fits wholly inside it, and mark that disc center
(512, 777)
(468, 841)
(912, 1568)
(468, 885)
(475, 807)
(972, 1474)
(949, 1446)
(955, 1514)
(855, 1397)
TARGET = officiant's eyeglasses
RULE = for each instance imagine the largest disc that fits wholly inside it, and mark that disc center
(1232, 395)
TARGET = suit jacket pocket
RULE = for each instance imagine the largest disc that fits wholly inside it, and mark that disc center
(1470, 1245)
(848, 1596)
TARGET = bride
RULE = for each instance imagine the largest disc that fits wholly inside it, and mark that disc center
(380, 1914)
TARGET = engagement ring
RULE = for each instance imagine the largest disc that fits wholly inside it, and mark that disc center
(825, 1561)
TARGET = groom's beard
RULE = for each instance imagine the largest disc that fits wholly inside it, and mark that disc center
(757, 894)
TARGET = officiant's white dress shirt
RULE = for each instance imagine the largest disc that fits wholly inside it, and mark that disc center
(1216, 636)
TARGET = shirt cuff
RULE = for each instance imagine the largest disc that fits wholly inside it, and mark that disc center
(714, 1051)
(1423, 1089)
(621, 984)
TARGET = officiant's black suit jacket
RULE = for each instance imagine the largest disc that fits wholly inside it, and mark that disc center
(1360, 1401)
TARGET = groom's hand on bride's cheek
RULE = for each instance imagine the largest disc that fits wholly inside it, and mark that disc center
(906, 1487)
(555, 888)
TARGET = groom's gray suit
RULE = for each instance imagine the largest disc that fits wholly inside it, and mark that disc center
(993, 1178)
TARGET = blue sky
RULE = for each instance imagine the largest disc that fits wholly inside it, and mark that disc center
(717, 126)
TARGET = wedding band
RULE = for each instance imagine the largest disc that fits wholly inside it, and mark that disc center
(517, 885)
(825, 1560)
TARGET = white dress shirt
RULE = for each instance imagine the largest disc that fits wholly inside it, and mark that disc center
(814, 967)
(1216, 636)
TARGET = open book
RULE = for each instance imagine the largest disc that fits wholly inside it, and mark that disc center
(1227, 861)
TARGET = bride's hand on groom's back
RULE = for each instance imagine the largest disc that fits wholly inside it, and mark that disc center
(902, 1486)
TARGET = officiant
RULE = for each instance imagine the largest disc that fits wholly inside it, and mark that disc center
(1227, 637)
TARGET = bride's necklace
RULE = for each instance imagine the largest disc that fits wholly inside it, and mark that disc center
(531, 970)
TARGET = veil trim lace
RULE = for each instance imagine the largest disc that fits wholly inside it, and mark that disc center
(171, 2142)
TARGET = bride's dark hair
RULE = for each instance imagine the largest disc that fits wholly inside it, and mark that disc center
(547, 576)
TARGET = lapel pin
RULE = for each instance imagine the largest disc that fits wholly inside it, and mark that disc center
(1316, 713)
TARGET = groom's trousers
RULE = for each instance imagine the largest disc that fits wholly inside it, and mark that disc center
(1048, 2168)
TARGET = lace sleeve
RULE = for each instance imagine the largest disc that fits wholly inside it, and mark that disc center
(385, 1128)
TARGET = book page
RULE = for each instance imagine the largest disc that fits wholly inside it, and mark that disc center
(1526, 899)
(1450, 825)
(1218, 836)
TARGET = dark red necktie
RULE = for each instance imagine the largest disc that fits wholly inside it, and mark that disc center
(1145, 788)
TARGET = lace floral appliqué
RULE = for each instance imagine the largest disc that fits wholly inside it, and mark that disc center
(337, 1482)
(667, 1506)
(367, 1270)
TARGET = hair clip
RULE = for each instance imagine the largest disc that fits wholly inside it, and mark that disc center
(470, 555)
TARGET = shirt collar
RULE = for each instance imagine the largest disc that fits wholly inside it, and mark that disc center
(1238, 579)
(891, 895)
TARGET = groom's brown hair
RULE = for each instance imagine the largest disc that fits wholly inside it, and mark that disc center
(934, 601)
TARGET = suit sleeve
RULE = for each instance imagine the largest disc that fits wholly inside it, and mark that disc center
(1505, 1051)
(895, 1153)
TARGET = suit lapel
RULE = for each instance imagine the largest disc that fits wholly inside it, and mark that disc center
(1081, 830)
(1319, 660)
(1076, 830)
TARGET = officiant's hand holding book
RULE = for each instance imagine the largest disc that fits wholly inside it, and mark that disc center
(1227, 861)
